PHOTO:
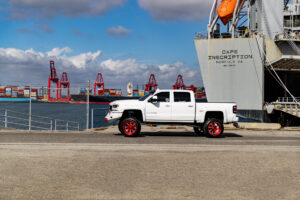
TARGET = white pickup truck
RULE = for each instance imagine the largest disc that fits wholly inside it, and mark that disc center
(172, 107)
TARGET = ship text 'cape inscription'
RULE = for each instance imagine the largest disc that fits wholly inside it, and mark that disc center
(229, 58)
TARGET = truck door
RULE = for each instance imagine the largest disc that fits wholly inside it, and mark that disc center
(183, 107)
(160, 110)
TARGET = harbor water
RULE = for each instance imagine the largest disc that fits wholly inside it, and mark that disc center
(58, 111)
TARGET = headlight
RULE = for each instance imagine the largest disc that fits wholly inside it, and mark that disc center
(115, 106)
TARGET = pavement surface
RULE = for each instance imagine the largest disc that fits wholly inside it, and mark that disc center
(165, 163)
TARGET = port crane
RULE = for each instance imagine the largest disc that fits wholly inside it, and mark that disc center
(179, 85)
(152, 84)
(52, 79)
(99, 85)
(64, 83)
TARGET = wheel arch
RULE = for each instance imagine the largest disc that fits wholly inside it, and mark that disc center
(214, 115)
(138, 114)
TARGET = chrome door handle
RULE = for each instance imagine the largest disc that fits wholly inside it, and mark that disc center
(190, 106)
(168, 106)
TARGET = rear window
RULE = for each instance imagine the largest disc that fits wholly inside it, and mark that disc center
(182, 97)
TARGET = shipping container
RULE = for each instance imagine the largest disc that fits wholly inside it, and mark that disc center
(100, 91)
(141, 93)
(112, 92)
(106, 92)
(26, 92)
(135, 93)
(118, 92)
(8, 92)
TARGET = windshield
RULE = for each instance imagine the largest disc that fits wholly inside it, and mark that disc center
(144, 97)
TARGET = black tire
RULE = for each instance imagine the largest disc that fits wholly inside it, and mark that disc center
(198, 131)
(130, 127)
(213, 128)
(120, 126)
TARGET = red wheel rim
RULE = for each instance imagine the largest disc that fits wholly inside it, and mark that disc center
(130, 127)
(214, 128)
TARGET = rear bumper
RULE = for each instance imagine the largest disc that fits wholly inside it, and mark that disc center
(113, 116)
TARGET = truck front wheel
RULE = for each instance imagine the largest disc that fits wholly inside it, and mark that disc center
(130, 127)
(213, 128)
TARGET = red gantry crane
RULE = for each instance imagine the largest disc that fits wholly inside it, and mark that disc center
(179, 85)
(52, 79)
(99, 85)
(64, 83)
(152, 84)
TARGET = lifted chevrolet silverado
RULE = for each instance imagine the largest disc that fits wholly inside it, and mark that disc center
(172, 107)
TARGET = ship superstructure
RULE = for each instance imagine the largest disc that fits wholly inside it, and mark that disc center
(250, 53)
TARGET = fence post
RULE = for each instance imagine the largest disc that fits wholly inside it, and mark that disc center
(92, 119)
(55, 125)
(88, 106)
(51, 128)
(67, 126)
(29, 122)
(5, 120)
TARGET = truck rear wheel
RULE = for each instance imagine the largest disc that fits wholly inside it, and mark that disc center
(130, 127)
(213, 128)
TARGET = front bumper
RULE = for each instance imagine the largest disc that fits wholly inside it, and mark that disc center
(113, 116)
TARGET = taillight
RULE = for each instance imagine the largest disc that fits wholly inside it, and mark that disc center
(234, 109)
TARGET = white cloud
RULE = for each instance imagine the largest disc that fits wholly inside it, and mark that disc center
(58, 51)
(177, 9)
(23, 9)
(118, 31)
(22, 67)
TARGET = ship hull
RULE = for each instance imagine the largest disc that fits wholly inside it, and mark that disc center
(233, 71)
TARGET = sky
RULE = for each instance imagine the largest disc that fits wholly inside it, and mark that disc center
(125, 40)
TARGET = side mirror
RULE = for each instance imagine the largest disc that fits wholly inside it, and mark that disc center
(154, 99)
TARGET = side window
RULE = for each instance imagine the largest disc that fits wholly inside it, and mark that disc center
(182, 97)
(163, 97)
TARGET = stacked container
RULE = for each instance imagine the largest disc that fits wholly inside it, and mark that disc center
(141, 93)
(2, 91)
(135, 93)
(112, 92)
(106, 92)
(20, 92)
(118, 92)
(26, 92)
(8, 91)
(34, 93)
(14, 92)
(82, 91)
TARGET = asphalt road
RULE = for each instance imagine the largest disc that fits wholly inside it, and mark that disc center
(162, 164)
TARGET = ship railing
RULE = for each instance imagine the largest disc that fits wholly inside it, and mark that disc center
(287, 99)
(98, 116)
(200, 35)
(20, 120)
(66, 125)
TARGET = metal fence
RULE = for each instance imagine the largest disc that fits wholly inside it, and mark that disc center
(97, 116)
(65, 125)
(19, 120)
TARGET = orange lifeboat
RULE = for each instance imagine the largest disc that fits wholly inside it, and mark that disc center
(226, 10)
